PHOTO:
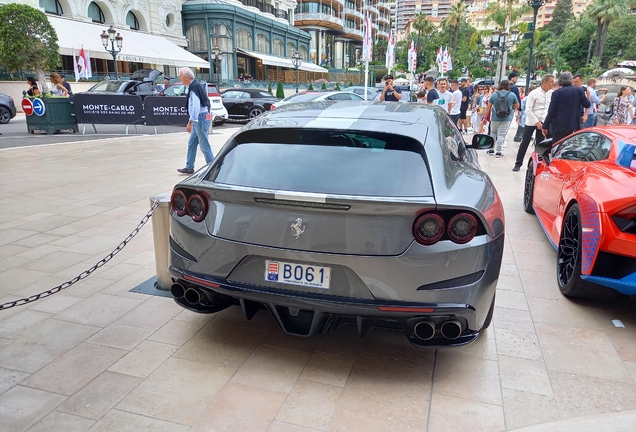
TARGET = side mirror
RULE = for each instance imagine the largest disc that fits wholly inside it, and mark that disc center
(544, 148)
(482, 142)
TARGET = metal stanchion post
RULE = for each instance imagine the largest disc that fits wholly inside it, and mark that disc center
(160, 237)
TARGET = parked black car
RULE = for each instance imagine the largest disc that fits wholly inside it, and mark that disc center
(247, 103)
(7, 108)
(141, 83)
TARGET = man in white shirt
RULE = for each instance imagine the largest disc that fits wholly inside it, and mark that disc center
(446, 99)
(457, 102)
(537, 104)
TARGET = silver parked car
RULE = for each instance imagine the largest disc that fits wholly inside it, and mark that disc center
(330, 212)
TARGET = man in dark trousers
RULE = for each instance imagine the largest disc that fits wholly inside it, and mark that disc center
(66, 85)
(513, 77)
(199, 123)
(564, 114)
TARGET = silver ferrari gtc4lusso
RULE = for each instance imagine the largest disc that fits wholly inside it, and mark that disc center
(323, 213)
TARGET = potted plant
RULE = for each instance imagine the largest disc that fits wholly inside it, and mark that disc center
(58, 115)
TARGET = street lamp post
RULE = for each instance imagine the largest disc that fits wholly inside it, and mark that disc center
(536, 5)
(109, 36)
(296, 61)
(502, 41)
(215, 53)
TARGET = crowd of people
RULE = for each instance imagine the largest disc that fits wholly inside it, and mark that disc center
(59, 86)
(554, 109)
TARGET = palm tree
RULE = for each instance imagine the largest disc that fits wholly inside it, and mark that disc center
(583, 27)
(454, 20)
(422, 25)
(604, 12)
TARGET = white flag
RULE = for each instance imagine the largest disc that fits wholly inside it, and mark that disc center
(412, 57)
(390, 52)
(75, 70)
(449, 61)
(81, 63)
(439, 58)
(367, 43)
(89, 69)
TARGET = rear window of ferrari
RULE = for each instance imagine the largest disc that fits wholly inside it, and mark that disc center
(326, 161)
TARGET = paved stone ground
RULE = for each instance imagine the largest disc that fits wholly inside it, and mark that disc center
(98, 357)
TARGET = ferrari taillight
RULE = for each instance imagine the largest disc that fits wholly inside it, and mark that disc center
(459, 227)
(193, 203)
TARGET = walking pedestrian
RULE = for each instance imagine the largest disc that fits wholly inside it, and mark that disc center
(464, 104)
(501, 115)
(431, 94)
(199, 123)
(595, 101)
(537, 104)
(513, 77)
(33, 87)
(455, 111)
(445, 99)
(623, 112)
(66, 85)
(564, 114)
(56, 85)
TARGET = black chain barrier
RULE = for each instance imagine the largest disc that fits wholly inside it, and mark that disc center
(85, 273)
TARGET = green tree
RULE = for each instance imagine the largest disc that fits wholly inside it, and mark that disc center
(561, 16)
(27, 40)
(453, 21)
(269, 87)
(422, 24)
(505, 15)
(311, 87)
(621, 44)
(280, 93)
(605, 12)
(338, 86)
(323, 87)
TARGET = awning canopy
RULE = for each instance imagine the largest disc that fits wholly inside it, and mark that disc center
(137, 47)
(283, 62)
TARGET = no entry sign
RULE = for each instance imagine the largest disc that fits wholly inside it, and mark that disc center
(27, 106)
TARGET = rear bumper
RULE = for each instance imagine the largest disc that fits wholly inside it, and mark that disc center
(305, 313)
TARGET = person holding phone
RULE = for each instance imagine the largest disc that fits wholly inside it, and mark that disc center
(390, 94)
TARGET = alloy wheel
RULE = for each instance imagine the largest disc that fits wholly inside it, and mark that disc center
(255, 112)
(568, 248)
(5, 115)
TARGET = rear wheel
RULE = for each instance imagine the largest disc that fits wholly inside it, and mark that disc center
(255, 112)
(528, 189)
(5, 115)
(569, 262)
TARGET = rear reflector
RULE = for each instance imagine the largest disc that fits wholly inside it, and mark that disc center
(200, 281)
(405, 309)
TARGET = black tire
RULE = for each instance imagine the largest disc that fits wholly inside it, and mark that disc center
(219, 123)
(5, 115)
(491, 312)
(569, 262)
(528, 189)
(255, 112)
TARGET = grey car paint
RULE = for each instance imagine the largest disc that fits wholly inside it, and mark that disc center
(224, 256)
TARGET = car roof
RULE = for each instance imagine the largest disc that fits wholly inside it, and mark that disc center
(354, 115)
(248, 90)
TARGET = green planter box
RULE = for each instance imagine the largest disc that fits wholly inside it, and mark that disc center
(58, 115)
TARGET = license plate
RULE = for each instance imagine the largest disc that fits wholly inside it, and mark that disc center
(297, 274)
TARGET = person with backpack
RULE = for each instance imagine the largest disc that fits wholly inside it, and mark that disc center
(501, 107)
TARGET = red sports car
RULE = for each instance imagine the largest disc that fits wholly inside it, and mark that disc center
(583, 190)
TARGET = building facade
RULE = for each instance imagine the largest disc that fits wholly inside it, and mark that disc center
(336, 28)
(252, 38)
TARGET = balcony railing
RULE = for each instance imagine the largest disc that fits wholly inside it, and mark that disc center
(282, 14)
(318, 16)
(353, 31)
(354, 13)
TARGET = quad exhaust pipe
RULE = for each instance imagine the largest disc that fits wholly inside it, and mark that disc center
(425, 330)
(451, 329)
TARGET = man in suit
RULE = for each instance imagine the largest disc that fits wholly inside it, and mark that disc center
(564, 114)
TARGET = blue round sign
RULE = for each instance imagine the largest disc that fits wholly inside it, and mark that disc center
(38, 107)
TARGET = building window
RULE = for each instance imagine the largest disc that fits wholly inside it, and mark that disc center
(304, 54)
(223, 43)
(169, 20)
(262, 44)
(95, 13)
(291, 48)
(278, 48)
(197, 38)
(51, 7)
(243, 39)
(131, 21)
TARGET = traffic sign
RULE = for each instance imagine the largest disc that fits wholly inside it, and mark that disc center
(38, 107)
(27, 106)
